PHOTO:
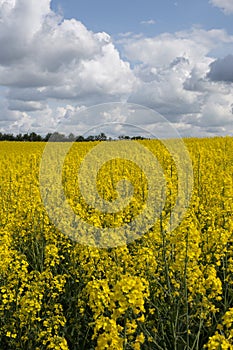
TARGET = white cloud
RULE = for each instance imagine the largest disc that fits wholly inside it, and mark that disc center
(61, 57)
(164, 48)
(125, 35)
(217, 112)
(166, 92)
(148, 22)
(172, 72)
(225, 5)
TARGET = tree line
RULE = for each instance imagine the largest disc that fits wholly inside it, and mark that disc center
(58, 137)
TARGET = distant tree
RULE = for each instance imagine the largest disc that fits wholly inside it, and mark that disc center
(47, 137)
(33, 137)
(101, 137)
(9, 137)
(57, 137)
(80, 138)
(123, 137)
(137, 138)
(19, 137)
(26, 137)
(71, 137)
(90, 138)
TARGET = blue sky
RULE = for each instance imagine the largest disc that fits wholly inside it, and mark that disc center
(120, 16)
(59, 57)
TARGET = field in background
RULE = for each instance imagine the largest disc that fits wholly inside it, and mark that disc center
(164, 290)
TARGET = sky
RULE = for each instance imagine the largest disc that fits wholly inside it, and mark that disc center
(60, 57)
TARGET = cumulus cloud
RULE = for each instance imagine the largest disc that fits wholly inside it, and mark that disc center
(61, 57)
(173, 70)
(20, 20)
(164, 48)
(165, 92)
(217, 112)
(222, 69)
(225, 5)
(148, 22)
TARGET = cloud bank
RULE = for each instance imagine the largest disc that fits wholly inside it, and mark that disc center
(225, 5)
(50, 67)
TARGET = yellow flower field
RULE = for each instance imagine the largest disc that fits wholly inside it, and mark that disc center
(163, 289)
